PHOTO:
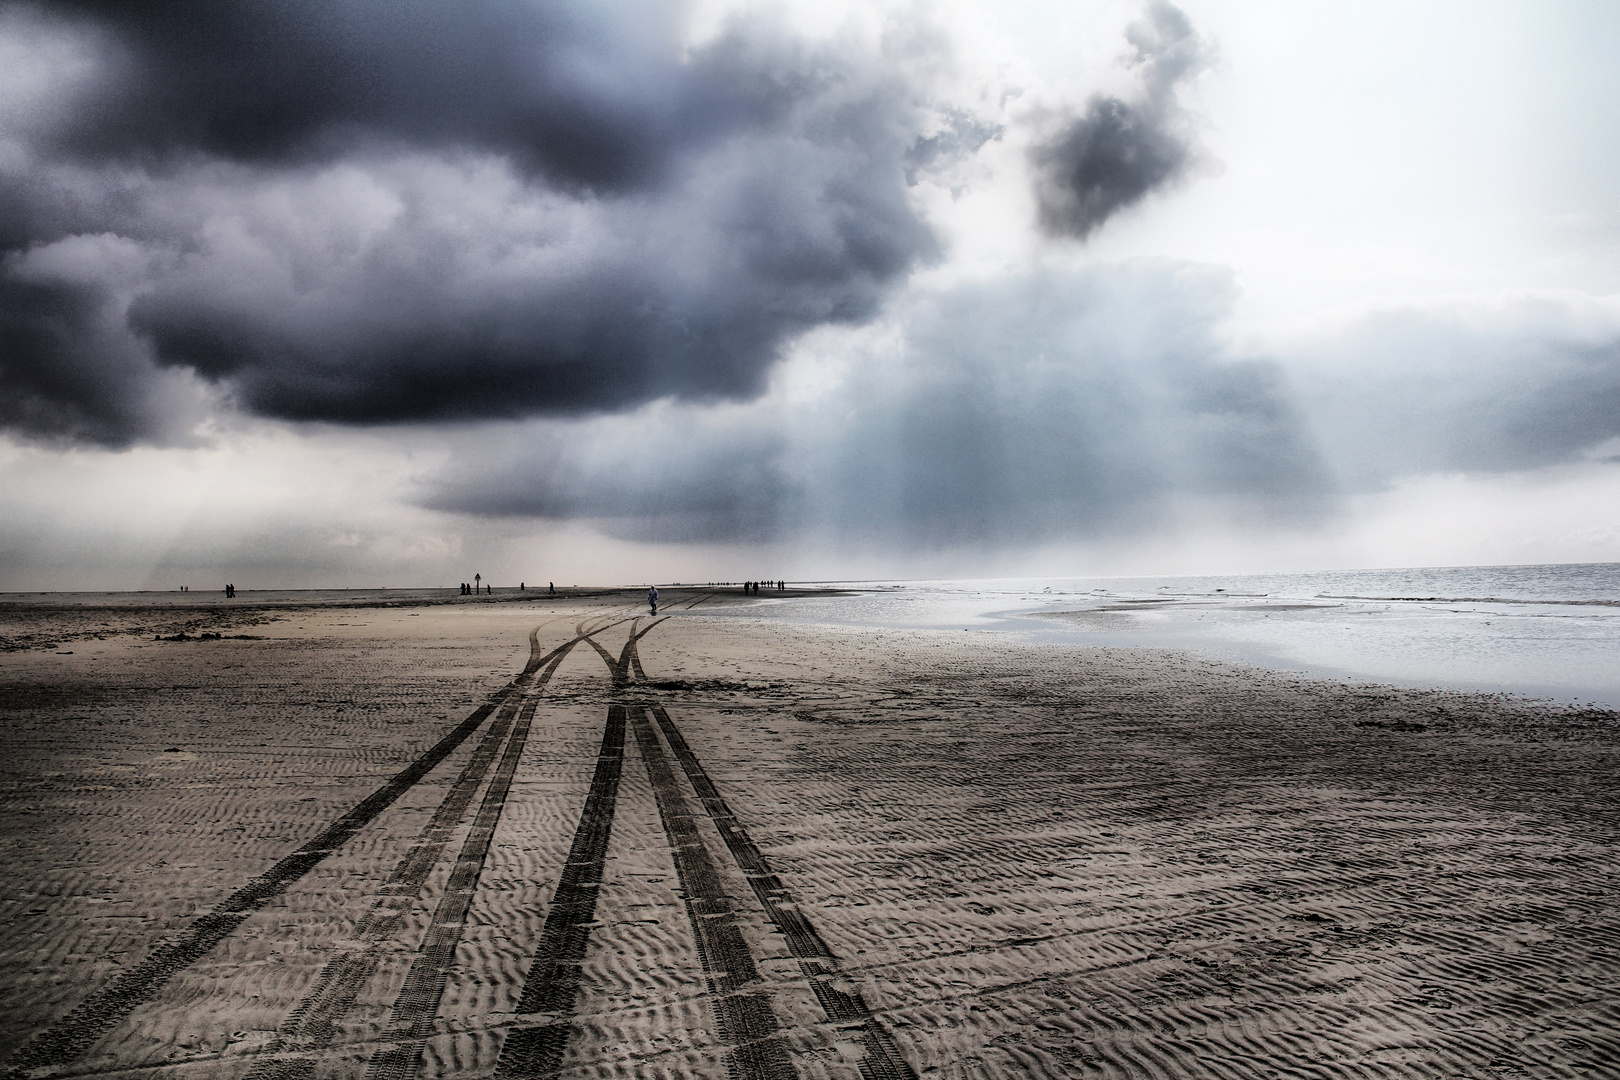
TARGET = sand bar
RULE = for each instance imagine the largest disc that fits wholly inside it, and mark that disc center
(693, 846)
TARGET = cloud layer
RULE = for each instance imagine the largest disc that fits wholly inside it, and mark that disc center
(366, 213)
(1484, 385)
(1058, 407)
(1027, 409)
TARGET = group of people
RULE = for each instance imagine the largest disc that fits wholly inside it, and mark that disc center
(230, 592)
(478, 588)
(752, 587)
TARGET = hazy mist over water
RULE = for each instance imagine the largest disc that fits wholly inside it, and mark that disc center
(1546, 631)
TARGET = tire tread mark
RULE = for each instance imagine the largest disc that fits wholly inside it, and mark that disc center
(418, 1002)
(554, 976)
(630, 659)
(620, 668)
(75, 1032)
(607, 658)
(312, 1025)
(742, 1011)
(883, 1060)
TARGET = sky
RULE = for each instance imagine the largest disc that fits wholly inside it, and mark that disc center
(370, 294)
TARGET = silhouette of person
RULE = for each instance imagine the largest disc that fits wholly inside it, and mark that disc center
(652, 599)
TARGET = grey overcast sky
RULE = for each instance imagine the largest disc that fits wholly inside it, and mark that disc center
(364, 293)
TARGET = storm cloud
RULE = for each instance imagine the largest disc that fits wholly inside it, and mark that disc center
(1040, 407)
(372, 213)
(1118, 151)
(585, 100)
(1054, 407)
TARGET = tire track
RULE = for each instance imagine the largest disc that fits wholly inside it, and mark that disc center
(418, 1003)
(553, 981)
(72, 1035)
(742, 1010)
(313, 1023)
(628, 659)
(618, 673)
(882, 1060)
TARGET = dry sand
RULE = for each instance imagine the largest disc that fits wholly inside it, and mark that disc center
(778, 850)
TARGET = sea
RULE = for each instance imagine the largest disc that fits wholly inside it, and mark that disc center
(1550, 632)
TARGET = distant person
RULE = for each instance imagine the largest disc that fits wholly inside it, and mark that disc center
(551, 588)
(652, 599)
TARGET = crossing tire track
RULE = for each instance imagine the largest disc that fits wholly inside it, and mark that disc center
(74, 1033)
(627, 659)
(630, 657)
(742, 1009)
(882, 1060)
(619, 679)
(553, 981)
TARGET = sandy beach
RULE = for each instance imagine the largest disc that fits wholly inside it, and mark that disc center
(556, 837)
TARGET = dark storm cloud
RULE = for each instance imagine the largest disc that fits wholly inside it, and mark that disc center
(1117, 152)
(592, 101)
(1037, 408)
(68, 371)
(367, 213)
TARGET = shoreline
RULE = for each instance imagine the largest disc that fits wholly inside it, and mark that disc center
(27, 624)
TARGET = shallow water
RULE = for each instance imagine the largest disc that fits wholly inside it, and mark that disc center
(1546, 631)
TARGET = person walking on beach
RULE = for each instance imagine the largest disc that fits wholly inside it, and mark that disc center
(551, 588)
(652, 599)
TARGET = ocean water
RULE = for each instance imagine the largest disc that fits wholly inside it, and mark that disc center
(1543, 631)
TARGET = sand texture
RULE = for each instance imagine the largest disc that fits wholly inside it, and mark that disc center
(561, 838)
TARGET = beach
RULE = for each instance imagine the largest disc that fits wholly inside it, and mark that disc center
(409, 835)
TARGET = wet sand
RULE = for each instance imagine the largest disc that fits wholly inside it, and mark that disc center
(560, 838)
